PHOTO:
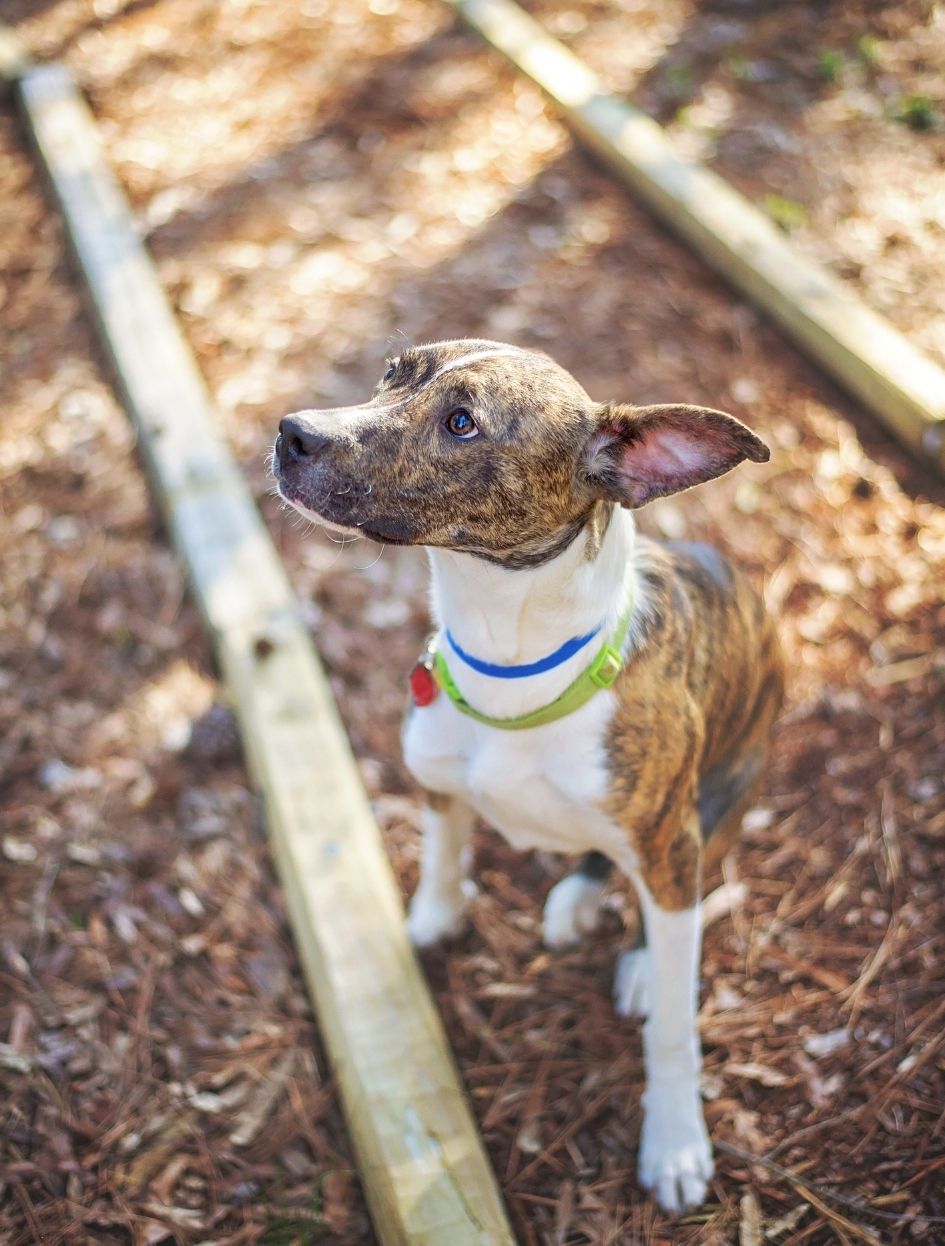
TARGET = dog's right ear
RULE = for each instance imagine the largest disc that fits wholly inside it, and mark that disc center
(639, 453)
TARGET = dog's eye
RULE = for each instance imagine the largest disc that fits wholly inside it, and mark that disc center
(461, 424)
(391, 369)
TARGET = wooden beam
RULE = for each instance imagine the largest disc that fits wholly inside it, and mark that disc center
(14, 61)
(822, 314)
(425, 1173)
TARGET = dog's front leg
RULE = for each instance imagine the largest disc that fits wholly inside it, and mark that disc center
(675, 1154)
(438, 907)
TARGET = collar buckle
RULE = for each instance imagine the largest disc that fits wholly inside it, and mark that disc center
(605, 668)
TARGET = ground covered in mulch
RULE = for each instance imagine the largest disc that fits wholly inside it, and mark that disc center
(317, 183)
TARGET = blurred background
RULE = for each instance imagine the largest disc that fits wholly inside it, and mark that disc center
(318, 184)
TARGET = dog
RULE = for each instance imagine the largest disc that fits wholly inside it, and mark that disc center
(588, 690)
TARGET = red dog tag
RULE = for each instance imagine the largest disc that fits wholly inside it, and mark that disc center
(423, 687)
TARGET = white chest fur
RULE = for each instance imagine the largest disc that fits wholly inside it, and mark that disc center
(542, 788)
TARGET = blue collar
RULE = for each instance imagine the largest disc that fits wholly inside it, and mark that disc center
(567, 650)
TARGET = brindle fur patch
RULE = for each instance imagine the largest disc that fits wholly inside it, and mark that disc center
(695, 706)
(512, 495)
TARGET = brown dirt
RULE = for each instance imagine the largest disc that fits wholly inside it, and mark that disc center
(314, 180)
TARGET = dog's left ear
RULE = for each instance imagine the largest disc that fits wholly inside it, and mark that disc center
(639, 453)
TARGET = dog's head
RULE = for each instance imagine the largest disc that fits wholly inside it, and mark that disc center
(494, 450)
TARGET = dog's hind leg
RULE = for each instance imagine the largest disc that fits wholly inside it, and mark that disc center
(571, 908)
(675, 1155)
(725, 795)
(438, 907)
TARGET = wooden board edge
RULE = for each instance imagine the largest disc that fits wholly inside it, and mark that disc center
(14, 60)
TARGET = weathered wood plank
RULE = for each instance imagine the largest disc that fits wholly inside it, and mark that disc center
(14, 61)
(820, 312)
(425, 1173)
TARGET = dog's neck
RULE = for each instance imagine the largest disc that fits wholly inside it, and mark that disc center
(511, 617)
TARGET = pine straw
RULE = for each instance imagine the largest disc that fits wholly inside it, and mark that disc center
(157, 1048)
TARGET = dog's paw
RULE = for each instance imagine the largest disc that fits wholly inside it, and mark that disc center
(433, 919)
(571, 911)
(632, 983)
(675, 1158)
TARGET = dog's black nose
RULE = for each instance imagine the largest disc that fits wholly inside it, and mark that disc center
(298, 441)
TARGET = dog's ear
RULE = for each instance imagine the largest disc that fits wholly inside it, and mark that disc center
(639, 453)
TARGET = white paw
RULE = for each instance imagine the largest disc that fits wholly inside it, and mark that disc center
(675, 1155)
(571, 910)
(433, 918)
(632, 983)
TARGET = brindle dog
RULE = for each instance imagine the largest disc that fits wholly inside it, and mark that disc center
(522, 489)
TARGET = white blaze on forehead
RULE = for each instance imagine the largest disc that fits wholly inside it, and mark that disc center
(464, 360)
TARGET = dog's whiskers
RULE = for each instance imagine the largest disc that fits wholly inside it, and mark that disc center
(380, 555)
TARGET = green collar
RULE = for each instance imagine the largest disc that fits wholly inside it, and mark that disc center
(601, 674)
